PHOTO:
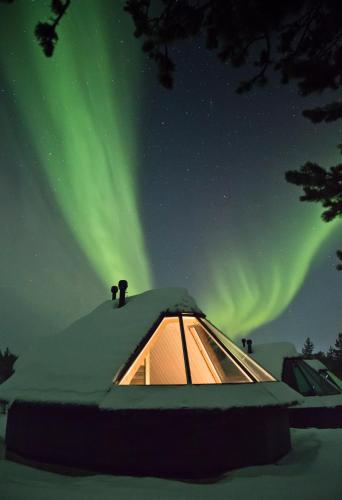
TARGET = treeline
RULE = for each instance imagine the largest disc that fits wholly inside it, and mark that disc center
(332, 358)
(7, 360)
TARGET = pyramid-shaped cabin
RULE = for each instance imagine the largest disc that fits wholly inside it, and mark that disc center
(150, 388)
(320, 388)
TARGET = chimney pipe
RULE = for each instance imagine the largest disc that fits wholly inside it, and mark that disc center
(243, 343)
(114, 291)
(123, 285)
(249, 346)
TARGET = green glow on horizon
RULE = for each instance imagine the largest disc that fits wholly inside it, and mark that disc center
(79, 109)
(254, 288)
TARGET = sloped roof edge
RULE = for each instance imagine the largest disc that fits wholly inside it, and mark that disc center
(85, 357)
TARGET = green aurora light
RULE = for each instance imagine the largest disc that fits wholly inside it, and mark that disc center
(79, 111)
(252, 288)
(81, 114)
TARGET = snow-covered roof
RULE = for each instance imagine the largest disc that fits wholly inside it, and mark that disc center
(79, 364)
(220, 396)
(330, 401)
(316, 364)
(271, 356)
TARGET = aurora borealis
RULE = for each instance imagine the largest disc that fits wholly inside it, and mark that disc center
(86, 140)
(182, 188)
(250, 293)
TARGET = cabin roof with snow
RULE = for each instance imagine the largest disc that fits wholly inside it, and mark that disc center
(303, 375)
(104, 357)
(271, 356)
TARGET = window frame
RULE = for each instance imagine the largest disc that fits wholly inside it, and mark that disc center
(207, 327)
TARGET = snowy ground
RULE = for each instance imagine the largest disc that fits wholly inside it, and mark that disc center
(312, 471)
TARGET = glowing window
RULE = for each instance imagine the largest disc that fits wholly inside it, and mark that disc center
(258, 372)
(210, 357)
(162, 360)
(209, 363)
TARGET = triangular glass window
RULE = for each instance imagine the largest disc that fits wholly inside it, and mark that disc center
(254, 369)
(162, 360)
(304, 379)
(209, 363)
(186, 350)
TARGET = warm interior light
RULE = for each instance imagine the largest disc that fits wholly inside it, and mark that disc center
(202, 369)
(222, 366)
(161, 361)
(258, 372)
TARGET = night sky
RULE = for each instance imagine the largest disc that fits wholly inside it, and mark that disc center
(105, 175)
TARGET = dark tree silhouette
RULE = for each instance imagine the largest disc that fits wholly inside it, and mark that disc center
(7, 360)
(308, 348)
(46, 32)
(330, 353)
(338, 348)
(334, 356)
(299, 39)
(321, 186)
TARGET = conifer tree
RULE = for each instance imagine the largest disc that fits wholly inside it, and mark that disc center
(338, 348)
(322, 186)
(308, 348)
(330, 353)
(7, 360)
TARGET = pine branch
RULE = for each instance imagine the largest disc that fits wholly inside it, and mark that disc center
(46, 33)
